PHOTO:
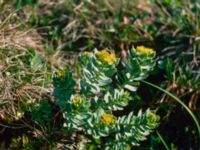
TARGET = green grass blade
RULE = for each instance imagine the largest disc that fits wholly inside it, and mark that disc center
(179, 101)
(163, 141)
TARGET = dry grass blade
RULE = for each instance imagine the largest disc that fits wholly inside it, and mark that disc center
(14, 33)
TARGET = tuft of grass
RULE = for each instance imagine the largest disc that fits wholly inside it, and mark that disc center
(14, 31)
(24, 80)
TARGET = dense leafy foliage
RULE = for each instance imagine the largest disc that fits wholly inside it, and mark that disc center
(89, 97)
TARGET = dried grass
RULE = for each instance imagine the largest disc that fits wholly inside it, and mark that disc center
(14, 33)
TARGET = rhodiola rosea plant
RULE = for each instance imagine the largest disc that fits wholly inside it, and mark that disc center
(102, 85)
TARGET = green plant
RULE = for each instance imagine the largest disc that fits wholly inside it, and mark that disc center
(90, 97)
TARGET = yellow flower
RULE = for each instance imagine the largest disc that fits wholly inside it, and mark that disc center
(105, 56)
(108, 119)
(77, 100)
(152, 117)
(145, 50)
(60, 74)
(19, 115)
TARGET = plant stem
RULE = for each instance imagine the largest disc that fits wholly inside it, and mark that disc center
(163, 141)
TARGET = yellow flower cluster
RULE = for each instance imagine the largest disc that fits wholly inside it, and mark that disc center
(77, 100)
(105, 56)
(153, 117)
(60, 74)
(145, 50)
(108, 119)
